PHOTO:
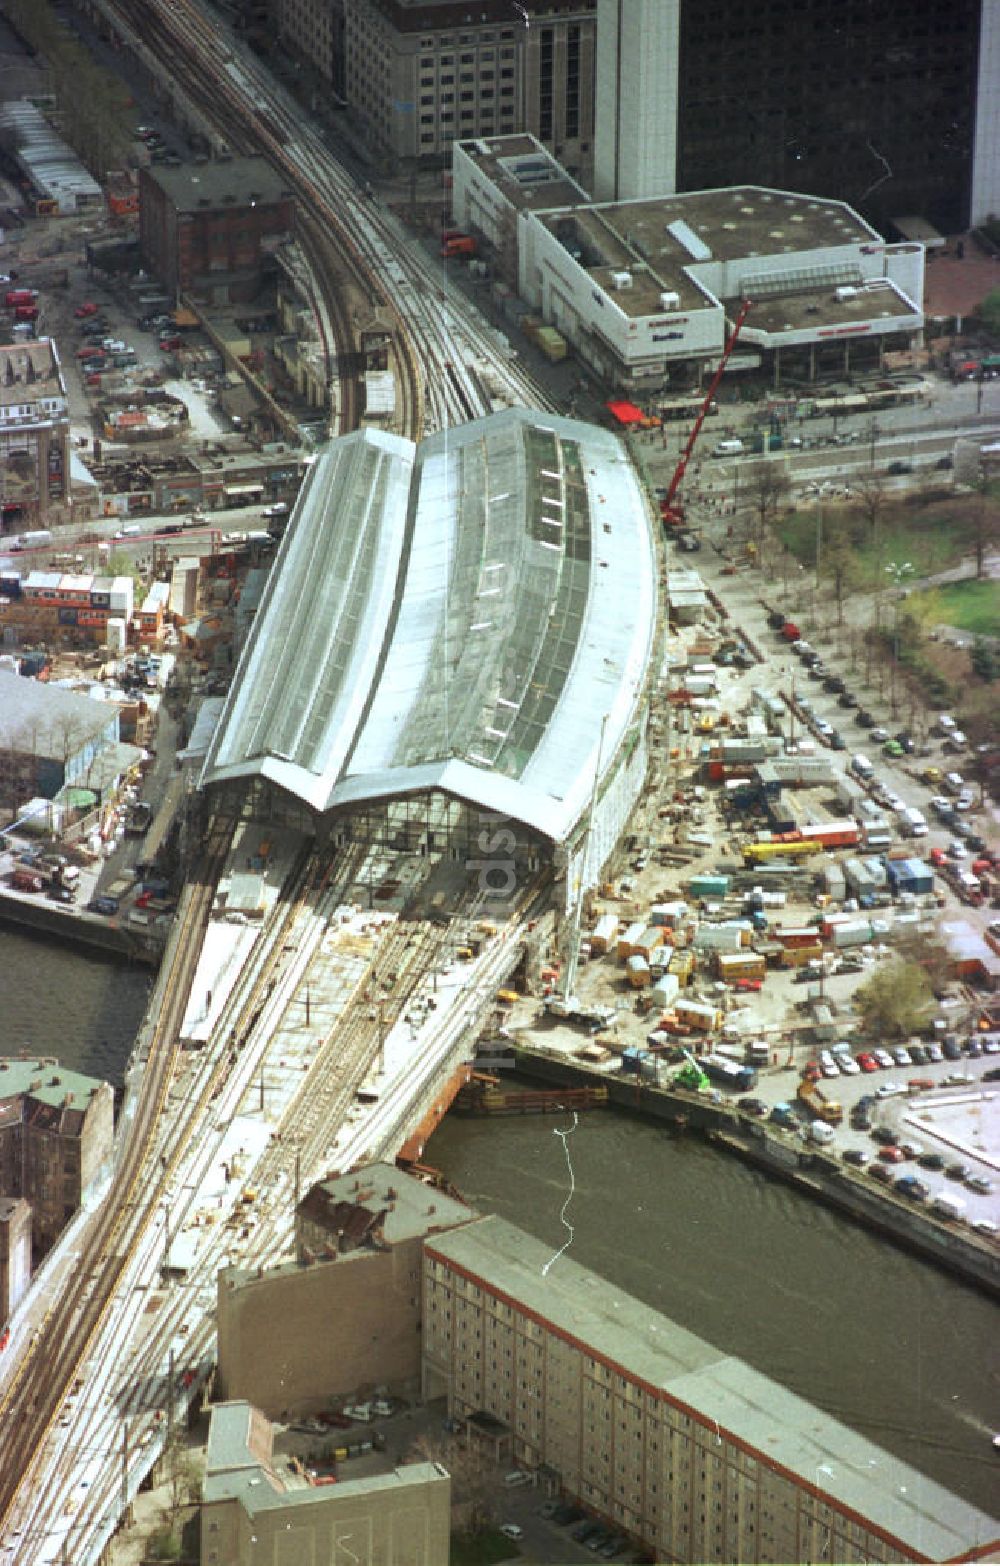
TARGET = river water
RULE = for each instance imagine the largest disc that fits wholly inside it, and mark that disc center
(888, 1344)
(884, 1342)
(66, 1001)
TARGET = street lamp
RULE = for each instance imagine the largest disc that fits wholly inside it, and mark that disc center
(874, 432)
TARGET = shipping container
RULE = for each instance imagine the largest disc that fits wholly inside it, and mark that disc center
(697, 1014)
(797, 936)
(729, 937)
(739, 965)
(626, 945)
(708, 886)
(604, 933)
(638, 974)
(799, 956)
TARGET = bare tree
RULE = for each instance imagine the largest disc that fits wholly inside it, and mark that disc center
(985, 525)
(473, 1480)
(840, 566)
(765, 491)
(870, 491)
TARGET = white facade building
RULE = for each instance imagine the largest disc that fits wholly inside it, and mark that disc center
(985, 201)
(635, 98)
(643, 289)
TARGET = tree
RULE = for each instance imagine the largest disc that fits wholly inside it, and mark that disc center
(473, 1480)
(984, 526)
(989, 311)
(765, 492)
(895, 998)
(871, 499)
(840, 565)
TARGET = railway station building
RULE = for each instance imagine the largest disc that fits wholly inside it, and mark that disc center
(690, 1451)
(646, 289)
(453, 655)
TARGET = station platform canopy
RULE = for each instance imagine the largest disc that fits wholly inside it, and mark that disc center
(461, 616)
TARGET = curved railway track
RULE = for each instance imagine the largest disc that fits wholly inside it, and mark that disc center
(441, 338)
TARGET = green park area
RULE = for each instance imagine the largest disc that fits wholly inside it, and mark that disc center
(971, 605)
(860, 539)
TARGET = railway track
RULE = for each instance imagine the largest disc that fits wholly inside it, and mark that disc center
(33, 1396)
(440, 337)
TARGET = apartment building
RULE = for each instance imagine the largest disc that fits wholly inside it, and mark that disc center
(56, 1129)
(34, 432)
(688, 1450)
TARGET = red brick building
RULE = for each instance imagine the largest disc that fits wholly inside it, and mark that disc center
(209, 229)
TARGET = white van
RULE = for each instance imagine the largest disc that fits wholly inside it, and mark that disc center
(820, 1132)
(912, 822)
(862, 767)
(728, 448)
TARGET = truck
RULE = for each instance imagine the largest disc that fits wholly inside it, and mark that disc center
(19, 296)
(913, 822)
(729, 1074)
(829, 1110)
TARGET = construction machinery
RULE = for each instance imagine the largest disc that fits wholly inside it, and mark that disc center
(670, 509)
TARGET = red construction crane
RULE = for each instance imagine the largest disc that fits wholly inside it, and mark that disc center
(672, 513)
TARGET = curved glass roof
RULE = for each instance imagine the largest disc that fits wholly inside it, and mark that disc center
(459, 615)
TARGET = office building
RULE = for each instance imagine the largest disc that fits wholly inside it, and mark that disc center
(687, 1450)
(893, 108)
(422, 73)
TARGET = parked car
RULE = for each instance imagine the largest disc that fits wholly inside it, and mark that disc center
(856, 1156)
(881, 1172)
(979, 1184)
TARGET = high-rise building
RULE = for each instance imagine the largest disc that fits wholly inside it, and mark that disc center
(894, 108)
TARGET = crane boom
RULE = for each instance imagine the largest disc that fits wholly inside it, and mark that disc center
(671, 512)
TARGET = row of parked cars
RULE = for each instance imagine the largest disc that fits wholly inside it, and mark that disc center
(598, 1537)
